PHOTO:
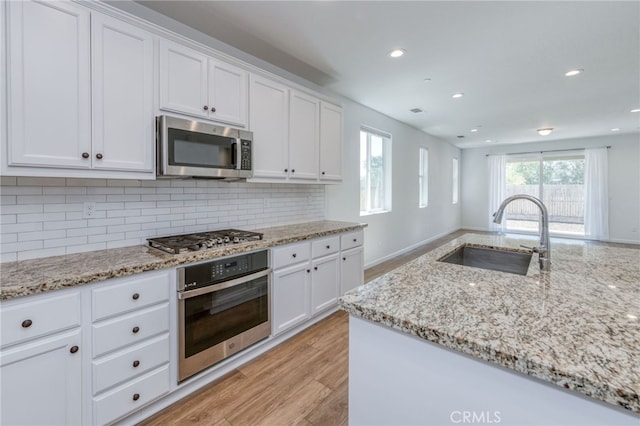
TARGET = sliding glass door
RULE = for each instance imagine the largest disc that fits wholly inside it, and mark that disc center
(556, 179)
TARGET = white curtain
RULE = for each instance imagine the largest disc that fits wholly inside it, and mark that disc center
(497, 187)
(596, 199)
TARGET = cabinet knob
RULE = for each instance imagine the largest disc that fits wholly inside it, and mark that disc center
(85, 155)
(322, 173)
(74, 349)
(213, 109)
(355, 240)
(344, 258)
(293, 255)
(99, 156)
(328, 247)
(135, 296)
(308, 271)
(136, 396)
(286, 170)
(136, 363)
(27, 323)
(205, 108)
(135, 329)
(315, 268)
(293, 170)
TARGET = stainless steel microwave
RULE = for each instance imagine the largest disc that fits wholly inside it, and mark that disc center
(188, 148)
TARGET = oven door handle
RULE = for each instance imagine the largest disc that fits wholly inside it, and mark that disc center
(210, 289)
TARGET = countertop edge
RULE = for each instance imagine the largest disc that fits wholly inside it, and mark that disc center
(162, 261)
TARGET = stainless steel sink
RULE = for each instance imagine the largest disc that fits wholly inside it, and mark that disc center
(489, 258)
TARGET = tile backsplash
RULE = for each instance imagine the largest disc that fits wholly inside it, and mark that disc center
(42, 217)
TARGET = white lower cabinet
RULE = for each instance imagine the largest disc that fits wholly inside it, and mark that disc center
(309, 277)
(130, 346)
(42, 382)
(41, 360)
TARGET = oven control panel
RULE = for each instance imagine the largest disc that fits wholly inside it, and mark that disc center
(215, 271)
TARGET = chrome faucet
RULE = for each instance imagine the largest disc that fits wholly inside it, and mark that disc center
(544, 249)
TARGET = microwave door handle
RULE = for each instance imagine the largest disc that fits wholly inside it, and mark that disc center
(234, 154)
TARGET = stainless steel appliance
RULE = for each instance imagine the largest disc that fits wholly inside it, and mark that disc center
(223, 307)
(188, 148)
(202, 240)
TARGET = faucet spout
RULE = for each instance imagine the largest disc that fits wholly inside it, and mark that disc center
(544, 249)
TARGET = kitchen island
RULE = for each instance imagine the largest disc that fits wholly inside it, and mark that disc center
(439, 343)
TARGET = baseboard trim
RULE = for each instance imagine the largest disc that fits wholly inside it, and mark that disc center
(411, 247)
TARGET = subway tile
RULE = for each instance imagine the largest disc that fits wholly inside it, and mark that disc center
(41, 235)
(63, 242)
(155, 225)
(40, 199)
(8, 181)
(56, 190)
(123, 213)
(123, 182)
(40, 181)
(185, 222)
(123, 243)
(51, 208)
(139, 219)
(139, 190)
(22, 190)
(65, 224)
(92, 230)
(36, 254)
(8, 257)
(123, 228)
(22, 227)
(8, 238)
(155, 197)
(40, 217)
(86, 182)
(110, 206)
(105, 238)
(21, 246)
(6, 219)
(106, 222)
(83, 248)
(96, 198)
(105, 190)
(123, 198)
(7, 200)
(140, 205)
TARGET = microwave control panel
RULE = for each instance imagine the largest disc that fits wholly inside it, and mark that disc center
(245, 154)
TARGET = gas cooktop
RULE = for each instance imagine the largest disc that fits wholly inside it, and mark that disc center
(175, 244)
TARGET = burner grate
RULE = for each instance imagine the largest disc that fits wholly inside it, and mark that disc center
(176, 244)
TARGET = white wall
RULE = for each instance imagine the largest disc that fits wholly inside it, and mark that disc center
(624, 181)
(406, 225)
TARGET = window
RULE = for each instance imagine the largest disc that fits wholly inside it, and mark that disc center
(555, 178)
(423, 178)
(375, 171)
(455, 181)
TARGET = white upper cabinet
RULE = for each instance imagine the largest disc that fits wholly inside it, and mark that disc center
(123, 120)
(49, 84)
(80, 93)
(330, 142)
(194, 84)
(303, 136)
(269, 116)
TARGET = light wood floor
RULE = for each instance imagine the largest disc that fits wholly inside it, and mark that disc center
(303, 381)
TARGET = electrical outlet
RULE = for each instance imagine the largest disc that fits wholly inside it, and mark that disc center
(89, 210)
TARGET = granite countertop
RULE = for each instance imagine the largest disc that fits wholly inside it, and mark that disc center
(29, 277)
(577, 326)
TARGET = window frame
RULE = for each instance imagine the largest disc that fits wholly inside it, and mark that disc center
(423, 177)
(386, 170)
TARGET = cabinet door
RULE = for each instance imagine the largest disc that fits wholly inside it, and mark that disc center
(269, 118)
(42, 383)
(183, 80)
(325, 283)
(330, 142)
(290, 297)
(303, 136)
(49, 84)
(227, 93)
(352, 269)
(123, 122)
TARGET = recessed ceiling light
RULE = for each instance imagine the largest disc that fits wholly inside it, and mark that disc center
(545, 132)
(396, 53)
(635, 110)
(427, 80)
(457, 95)
(488, 141)
(615, 129)
(571, 73)
(474, 130)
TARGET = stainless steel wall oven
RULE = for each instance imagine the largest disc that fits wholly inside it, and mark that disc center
(223, 307)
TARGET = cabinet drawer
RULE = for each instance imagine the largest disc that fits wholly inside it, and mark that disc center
(325, 246)
(36, 318)
(129, 329)
(136, 293)
(291, 254)
(134, 361)
(352, 239)
(131, 396)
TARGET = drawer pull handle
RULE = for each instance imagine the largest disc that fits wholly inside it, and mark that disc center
(328, 247)
(293, 255)
(136, 396)
(344, 258)
(27, 323)
(135, 329)
(308, 271)
(74, 349)
(315, 268)
(135, 296)
(136, 363)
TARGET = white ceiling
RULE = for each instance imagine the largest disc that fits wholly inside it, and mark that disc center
(508, 58)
